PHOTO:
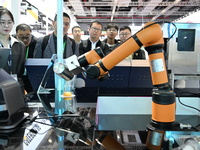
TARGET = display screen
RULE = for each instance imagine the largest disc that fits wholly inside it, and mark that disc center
(186, 40)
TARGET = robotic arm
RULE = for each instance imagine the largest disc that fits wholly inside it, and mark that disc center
(151, 37)
(163, 98)
(163, 102)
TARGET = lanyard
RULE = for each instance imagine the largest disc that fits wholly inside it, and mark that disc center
(64, 44)
(10, 62)
(27, 50)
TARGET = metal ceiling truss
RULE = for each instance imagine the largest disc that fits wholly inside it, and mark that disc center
(98, 4)
(137, 11)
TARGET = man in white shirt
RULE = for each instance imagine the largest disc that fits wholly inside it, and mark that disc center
(93, 41)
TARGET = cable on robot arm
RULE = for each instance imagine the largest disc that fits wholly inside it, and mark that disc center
(170, 37)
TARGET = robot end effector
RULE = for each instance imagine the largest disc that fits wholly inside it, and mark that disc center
(74, 65)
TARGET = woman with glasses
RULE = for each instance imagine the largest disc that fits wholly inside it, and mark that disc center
(16, 59)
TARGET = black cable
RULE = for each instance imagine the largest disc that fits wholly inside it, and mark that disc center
(174, 31)
(194, 94)
(197, 126)
(74, 123)
(34, 119)
(92, 122)
(53, 126)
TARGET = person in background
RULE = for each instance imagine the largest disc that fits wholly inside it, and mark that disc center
(76, 32)
(16, 61)
(47, 46)
(111, 31)
(93, 41)
(124, 34)
(24, 33)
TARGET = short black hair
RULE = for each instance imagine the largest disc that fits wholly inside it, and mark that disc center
(124, 28)
(112, 25)
(23, 27)
(64, 15)
(97, 22)
(75, 27)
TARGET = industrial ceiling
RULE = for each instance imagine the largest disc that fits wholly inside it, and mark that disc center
(130, 11)
(127, 12)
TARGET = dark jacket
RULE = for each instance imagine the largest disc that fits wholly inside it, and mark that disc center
(30, 49)
(111, 46)
(116, 41)
(31, 46)
(51, 47)
(85, 46)
(18, 59)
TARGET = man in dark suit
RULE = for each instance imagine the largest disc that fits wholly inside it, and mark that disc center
(47, 46)
(24, 33)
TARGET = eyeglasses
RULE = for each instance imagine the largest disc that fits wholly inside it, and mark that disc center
(95, 29)
(22, 38)
(77, 31)
(124, 34)
(4, 23)
(113, 30)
